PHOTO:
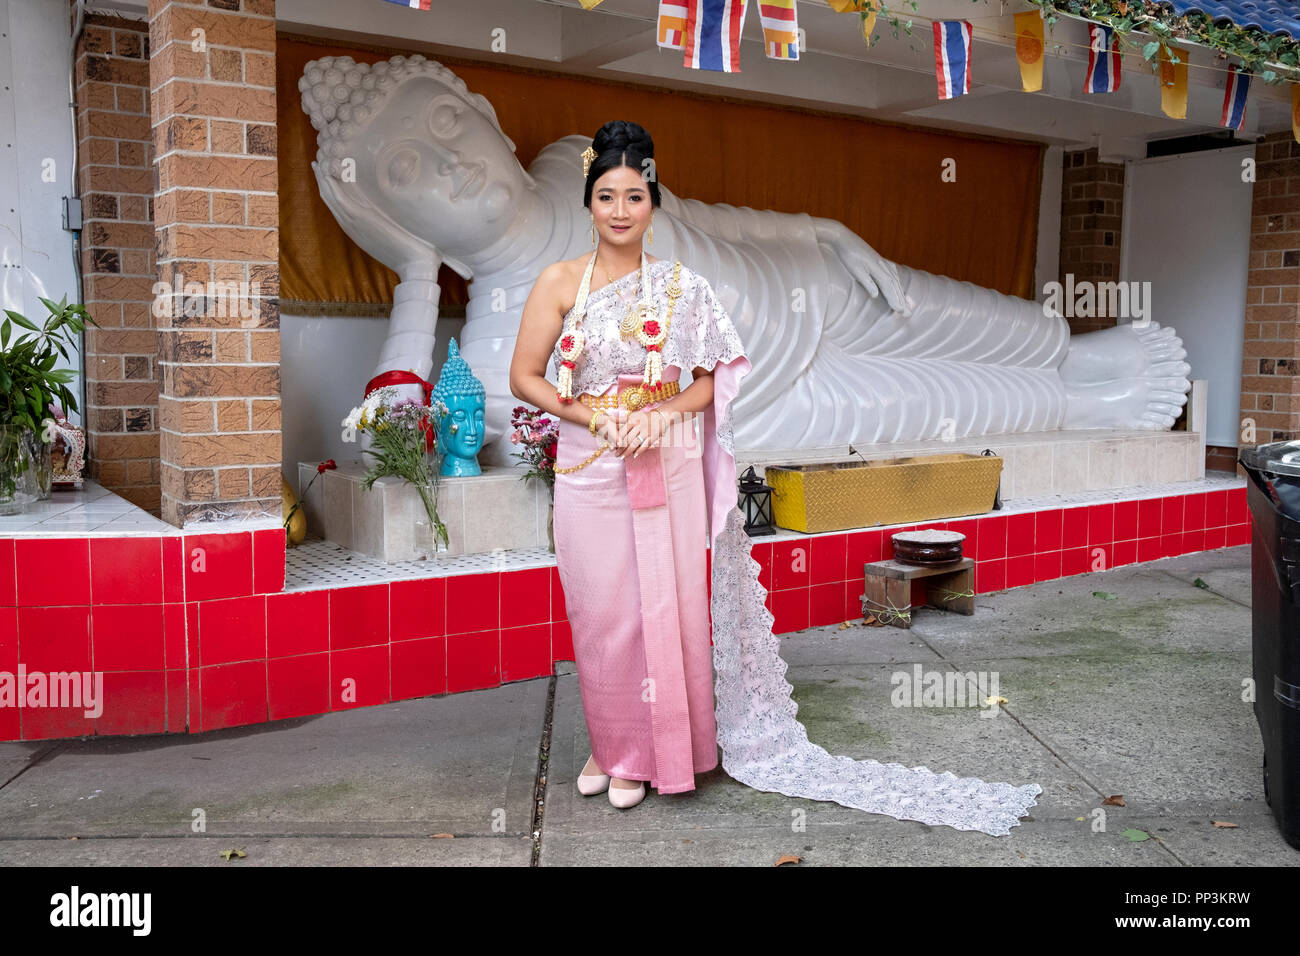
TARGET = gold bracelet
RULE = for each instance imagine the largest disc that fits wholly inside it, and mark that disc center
(591, 425)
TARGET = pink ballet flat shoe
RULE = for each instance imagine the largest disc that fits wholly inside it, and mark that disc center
(623, 799)
(590, 784)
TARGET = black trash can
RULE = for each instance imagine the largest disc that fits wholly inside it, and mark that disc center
(1273, 491)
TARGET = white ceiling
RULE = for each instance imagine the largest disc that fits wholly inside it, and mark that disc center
(893, 81)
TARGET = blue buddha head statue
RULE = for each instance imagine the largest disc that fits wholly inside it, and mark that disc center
(460, 433)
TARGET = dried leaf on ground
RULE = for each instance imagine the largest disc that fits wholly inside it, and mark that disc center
(788, 858)
(229, 854)
(1225, 825)
(1114, 800)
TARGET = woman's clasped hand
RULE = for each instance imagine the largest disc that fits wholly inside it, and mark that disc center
(632, 432)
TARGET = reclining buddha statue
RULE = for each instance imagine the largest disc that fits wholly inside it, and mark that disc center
(846, 346)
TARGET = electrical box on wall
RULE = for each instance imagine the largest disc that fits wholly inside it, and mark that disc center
(71, 213)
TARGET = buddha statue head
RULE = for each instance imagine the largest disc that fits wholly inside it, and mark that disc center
(404, 140)
(460, 433)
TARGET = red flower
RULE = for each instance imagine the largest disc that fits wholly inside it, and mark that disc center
(652, 328)
(566, 343)
(325, 466)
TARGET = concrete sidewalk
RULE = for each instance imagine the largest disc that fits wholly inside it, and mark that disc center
(1138, 696)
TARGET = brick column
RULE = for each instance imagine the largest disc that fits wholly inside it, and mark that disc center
(1092, 217)
(217, 222)
(1270, 388)
(114, 155)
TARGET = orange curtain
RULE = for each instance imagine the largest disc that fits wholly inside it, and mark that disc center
(884, 182)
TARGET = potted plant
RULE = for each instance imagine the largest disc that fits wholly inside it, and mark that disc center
(29, 383)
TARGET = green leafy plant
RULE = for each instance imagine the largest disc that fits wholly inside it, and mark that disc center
(1148, 26)
(29, 382)
(1274, 59)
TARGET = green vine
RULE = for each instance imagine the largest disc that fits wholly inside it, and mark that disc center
(1274, 59)
(1160, 27)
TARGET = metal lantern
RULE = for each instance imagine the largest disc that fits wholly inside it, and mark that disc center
(755, 504)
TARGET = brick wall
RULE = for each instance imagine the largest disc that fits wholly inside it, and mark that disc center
(212, 76)
(1220, 458)
(1092, 208)
(1270, 393)
(116, 185)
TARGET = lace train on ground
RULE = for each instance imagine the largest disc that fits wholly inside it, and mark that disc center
(765, 746)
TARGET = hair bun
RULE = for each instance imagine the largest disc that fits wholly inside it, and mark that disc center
(620, 135)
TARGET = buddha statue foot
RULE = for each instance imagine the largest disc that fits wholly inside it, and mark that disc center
(1125, 377)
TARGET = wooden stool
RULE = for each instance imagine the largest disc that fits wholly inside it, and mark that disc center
(888, 585)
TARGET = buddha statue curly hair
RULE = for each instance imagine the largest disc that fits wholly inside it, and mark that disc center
(341, 95)
(620, 143)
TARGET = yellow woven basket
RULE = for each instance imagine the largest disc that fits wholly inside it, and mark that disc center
(838, 495)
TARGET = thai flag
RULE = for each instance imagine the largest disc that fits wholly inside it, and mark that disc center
(713, 34)
(1234, 97)
(413, 4)
(1103, 60)
(952, 57)
(672, 24)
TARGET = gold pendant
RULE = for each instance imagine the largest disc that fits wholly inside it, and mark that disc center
(627, 327)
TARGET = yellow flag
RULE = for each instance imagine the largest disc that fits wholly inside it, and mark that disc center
(1295, 111)
(857, 6)
(1173, 84)
(1029, 49)
(588, 4)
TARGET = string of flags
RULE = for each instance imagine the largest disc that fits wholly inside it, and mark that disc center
(708, 34)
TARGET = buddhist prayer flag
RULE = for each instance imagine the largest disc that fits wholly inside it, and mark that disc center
(713, 34)
(588, 4)
(1103, 60)
(1029, 50)
(418, 4)
(858, 6)
(1173, 84)
(952, 57)
(780, 29)
(1234, 97)
(672, 24)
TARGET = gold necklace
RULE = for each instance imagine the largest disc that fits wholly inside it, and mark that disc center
(627, 325)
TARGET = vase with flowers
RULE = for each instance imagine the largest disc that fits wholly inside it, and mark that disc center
(403, 443)
(29, 383)
(538, 435)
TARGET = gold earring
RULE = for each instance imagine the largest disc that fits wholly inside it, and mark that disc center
(650, 233)
(593, 230)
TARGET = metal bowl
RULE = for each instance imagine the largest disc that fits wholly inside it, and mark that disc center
(929, 547)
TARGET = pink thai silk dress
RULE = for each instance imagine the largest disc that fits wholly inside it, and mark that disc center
(643, 598)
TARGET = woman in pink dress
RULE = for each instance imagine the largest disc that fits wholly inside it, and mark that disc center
(645, 481)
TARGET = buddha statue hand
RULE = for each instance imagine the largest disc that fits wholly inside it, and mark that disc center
(406, 254)
(876, 273)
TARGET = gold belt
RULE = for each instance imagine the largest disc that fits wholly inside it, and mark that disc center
(633, 397)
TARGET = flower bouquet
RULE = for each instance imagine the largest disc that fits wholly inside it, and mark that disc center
(403, 437)
(538, 435)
